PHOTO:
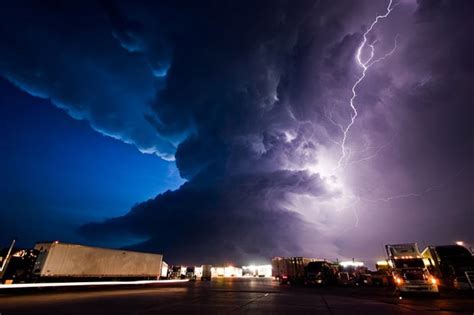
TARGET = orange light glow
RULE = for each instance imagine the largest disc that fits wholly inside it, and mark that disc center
(398, 280)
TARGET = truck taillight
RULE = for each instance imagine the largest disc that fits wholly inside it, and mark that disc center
(433, 280)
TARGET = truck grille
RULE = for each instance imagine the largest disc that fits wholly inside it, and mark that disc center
(470, 278)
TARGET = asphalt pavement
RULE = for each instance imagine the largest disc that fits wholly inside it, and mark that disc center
(229, 296)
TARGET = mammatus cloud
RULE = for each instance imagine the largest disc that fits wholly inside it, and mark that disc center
(244, 97)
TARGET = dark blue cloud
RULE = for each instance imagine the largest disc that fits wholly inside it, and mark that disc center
(57, 173)
(68, 53)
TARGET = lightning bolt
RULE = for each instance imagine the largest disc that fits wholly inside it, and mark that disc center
(419, 194)
(375, 150)
(345, 158)
(365, 66)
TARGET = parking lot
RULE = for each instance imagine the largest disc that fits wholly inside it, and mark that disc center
(225, 296)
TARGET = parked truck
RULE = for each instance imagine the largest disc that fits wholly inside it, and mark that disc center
(278, 267)
(320, 272)
(353, 272)
(408, 269)
(72, 262)
(382, 276)
(290, 270)
(190, 273)
(164, 270)
(178, 272)
(452, 264)
(20, 265)
(206, 272)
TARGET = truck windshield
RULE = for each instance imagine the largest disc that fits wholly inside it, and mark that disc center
(314, 266)
(409, 263)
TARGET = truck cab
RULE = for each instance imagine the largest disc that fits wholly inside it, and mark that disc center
(177, 272)
(319, 273)
(452, 264)
(409, 271)
(411, 275)
(190, 273)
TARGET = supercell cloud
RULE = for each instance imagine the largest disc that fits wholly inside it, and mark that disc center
(246, 97)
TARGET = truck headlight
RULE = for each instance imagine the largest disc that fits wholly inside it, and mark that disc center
(398, 280)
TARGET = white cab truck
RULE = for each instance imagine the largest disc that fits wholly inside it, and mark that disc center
(72, 262)
(409, 272)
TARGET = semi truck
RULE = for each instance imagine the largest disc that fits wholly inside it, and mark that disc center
(452, 264)
(408, 269)
(320, 273)
(382, 276)
(290, 270)
(206, 272)
(20, 265)
(72, 262)
(164, 270)
(178, 272)
(353, 272)
(193, 272)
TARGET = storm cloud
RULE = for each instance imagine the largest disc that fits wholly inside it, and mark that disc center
(247, 98)
(236, 218)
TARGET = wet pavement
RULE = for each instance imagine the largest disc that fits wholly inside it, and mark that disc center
(230, 296)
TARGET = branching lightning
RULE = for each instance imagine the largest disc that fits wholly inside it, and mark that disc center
(364, 65)
(416, 194)
(375, 150)
(365, 57)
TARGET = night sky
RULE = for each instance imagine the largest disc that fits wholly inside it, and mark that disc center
(235, 131)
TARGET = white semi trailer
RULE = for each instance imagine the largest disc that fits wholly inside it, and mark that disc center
(78, 262)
